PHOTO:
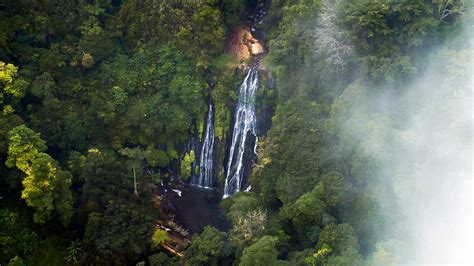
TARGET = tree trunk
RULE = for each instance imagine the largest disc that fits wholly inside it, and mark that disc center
(134, 180)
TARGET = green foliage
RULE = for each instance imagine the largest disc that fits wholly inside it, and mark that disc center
(319, 256)
(16, 261)
(291, 44)
(126, 225)
(8, 121)
(228, 62)
(222, 93)
(161, 96)
(335, 188)
(161, 259)
(136, 154)
(208, 248)
(74, 251)
(384, 32)
(247, 229)
(231, 10)
(16, 237)
(105, 177)
(51, 252)
(158, 238)
(46, 186)
(307, 213)
(186, 165)
(285, 178)
(327, 138)
(99, 76)
(156, 157)
(23, 147)
(11, 87)
(337, 245)
(338, 237)
(242, 203)
(119, 221)
(92, 227)
(263, 252)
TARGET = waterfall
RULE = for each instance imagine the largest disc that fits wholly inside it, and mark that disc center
(245, 121)
(206, 159)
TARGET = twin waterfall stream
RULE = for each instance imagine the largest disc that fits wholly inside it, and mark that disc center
(245, 120)
(245, 123)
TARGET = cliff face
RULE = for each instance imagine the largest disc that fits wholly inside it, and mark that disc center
(243, 44)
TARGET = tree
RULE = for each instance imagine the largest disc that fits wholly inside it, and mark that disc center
(11, 88)
(16, 237)
(307, 212)
(105, 178)
(92, 227)
(74, 251)
(330, 37)
(337, 245)
(46, 185)
(338, 237)
(136, 155)
(159, 237)
(448, 8)
(347, 257)
(156, 157)
(24, 146)
(46, 188)
(248, 228)
(16, 261)
(335, 188)
(262, 253)
(118, 222)
(161, 259)
(384, 33)
(292, 43)
(126, 226)
(186, 165)
(208, 248)
(242, 203)
(87, 60)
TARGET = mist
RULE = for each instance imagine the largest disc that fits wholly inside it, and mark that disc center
(435, 191)
(420, 136)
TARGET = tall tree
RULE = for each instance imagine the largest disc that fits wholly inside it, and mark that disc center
(46, 186)
(262, 253)
(211, 247)
(136, 155)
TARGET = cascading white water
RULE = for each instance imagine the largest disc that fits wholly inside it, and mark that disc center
(245, 121)
(205, 164)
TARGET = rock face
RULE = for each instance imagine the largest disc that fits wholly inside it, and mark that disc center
(256, 48)
(254, 45)
(243, 44)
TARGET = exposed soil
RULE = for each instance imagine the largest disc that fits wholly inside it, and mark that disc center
(244, 45)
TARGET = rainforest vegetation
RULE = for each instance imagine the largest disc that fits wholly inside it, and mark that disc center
(100, 98)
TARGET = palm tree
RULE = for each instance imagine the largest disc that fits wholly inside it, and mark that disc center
(74, 251)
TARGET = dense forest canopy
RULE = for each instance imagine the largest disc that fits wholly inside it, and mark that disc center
(364, 121)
